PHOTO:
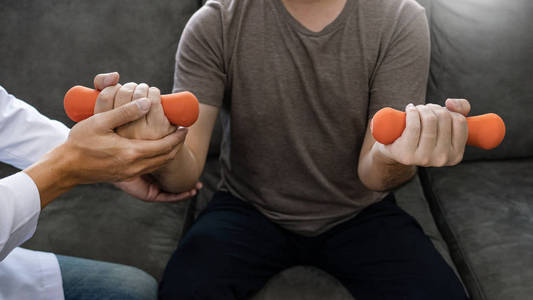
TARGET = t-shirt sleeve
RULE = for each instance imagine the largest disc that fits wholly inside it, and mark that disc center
(401, 74)
(199, 65)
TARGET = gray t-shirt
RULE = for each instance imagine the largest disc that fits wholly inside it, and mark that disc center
(295, 103)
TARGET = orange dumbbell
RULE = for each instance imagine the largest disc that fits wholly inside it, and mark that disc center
(484, 131)
(181, 109)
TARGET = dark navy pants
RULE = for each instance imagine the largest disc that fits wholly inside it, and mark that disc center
(233, 250)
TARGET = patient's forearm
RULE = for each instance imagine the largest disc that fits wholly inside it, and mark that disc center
(378, 173)
(180, 174)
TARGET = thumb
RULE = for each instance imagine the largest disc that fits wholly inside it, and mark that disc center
(124, 114)
(461, 106)
(101, 81)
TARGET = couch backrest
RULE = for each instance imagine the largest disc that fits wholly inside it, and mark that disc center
(49, 46)
(482, 50)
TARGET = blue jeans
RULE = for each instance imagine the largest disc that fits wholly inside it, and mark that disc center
(382, 253)
(91, 279)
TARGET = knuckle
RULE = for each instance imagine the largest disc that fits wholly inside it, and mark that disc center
(458, 158)
(424, 161)
(154, 89)
(97, 121)
(139, 93)
(129, 87)
(434, 107)
(406, 160)
(429, 118)
(107, 94)
(130, 156)
(141, 89)
(460, 120)
(443, 113)
(441, 160)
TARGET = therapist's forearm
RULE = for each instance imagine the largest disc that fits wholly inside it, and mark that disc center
(52, 175)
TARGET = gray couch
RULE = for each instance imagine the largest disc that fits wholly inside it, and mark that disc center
(483, 50)
(478, 214)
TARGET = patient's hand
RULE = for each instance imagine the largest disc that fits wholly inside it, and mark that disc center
(153, 126)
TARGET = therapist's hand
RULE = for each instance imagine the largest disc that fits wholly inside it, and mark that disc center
(153, 126)
(146, 188)
(93, 152)
(97, 153)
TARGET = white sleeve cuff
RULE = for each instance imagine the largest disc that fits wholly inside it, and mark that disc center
(20, 206)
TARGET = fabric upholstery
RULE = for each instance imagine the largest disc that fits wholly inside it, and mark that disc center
(50, 46)
(485, 211)
(303, 282)
(481, 50)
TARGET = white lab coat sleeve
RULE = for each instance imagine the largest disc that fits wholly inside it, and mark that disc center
(19, 211)
(25, 136)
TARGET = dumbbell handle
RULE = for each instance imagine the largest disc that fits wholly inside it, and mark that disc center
(180, 109)
(484, 131)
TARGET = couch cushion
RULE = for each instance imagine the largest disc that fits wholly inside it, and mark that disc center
(303, 283)
(49, 46)
(485, 212)
(482, 50)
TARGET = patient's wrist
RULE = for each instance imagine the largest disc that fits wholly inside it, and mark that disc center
(180, 174)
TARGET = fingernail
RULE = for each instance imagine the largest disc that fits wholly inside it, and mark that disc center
(410, 106)
(184, 129)
(143, 104)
